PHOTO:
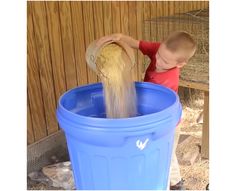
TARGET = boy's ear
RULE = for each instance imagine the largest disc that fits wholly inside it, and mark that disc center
(181, 64)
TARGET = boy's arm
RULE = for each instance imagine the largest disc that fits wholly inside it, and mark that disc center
(129, 40)
(120, 37)
(147, 48)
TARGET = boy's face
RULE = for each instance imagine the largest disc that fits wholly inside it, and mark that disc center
(167, 59)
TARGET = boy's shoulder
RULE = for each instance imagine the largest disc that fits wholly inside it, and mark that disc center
(149, 48)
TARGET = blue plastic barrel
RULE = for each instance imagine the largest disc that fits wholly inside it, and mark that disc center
(127, 153)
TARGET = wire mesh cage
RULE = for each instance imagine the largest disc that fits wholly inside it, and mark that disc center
(194, 22)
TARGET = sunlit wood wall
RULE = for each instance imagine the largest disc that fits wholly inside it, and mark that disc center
(57, 36)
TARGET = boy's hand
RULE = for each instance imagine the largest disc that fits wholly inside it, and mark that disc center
(119, 37)
(113, 37)
(116, 36)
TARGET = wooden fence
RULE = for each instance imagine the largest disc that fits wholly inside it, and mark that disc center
(57, 36)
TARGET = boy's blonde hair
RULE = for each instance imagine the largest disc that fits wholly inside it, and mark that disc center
(180, 41)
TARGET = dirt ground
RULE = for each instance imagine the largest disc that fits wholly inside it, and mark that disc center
(196, 175)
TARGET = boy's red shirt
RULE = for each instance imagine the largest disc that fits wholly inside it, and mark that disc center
(169, 78)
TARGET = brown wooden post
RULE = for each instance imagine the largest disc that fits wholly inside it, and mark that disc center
(205, 130)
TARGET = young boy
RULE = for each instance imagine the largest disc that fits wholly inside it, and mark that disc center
(166, 58)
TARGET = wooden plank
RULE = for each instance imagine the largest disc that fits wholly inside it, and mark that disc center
(56, 48)
(199, 5)
(147, 15)
(162, 25)
(45, 68)
(87, 7)
(124, 14)
(172, 25)
(195, 85)
(158, 24)
(153, 15)
(177, 5)
(195, 5)
(181, 7)
(107, 17)
(30, 132)
(140, 26)
(79, 42)
(202, 4)
(191, 24)
(206, 4)
(186, 6)
(165, 8)
(147, 28)
(33, 81)
(205, 130)
(133, 33)
(165, 27)
(98, 21)
(68, 45)
(115, 7)
(182, 25)
(172, 9)
(190, 6)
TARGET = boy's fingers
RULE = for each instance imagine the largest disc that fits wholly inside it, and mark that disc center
(116, 37)
(102, 40)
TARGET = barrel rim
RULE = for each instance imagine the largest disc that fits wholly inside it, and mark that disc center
(98, 123)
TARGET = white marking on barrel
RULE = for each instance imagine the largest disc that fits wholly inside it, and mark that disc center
(141, 145)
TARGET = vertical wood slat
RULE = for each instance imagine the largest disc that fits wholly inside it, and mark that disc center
(161, 27)
(30, 132)
(79, 42)
(68, 45)
(181, 25)
(202, 4)
(194, 5)
(133, 33)
(207, 4)
(87, 7)
(116, 26)
(182, 6)
(186, 5)
(176, 6)
(171, 5)
(146, 16)
(190, 7)
(171, 26)
(124, 17)
(147, 27)
(159, 9)
(199, 4)
(166, 13)
(45, 68)
(153, 15)
(165, 8)
(98, 21)
(56, 47)
(107, 17)
(140, 25)
(205, 131)
(33, 82)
